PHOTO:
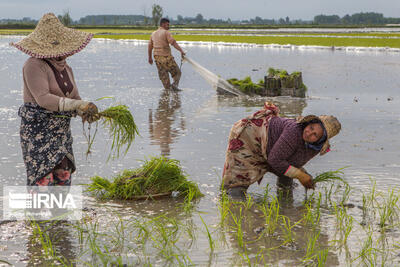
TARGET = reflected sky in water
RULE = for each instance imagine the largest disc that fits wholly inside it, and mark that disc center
(361, 89)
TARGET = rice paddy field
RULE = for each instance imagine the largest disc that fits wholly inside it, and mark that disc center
(339, 224)
(335, 37)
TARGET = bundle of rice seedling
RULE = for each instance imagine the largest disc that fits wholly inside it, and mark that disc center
(122, 128)
(330, 176)
(158, 176)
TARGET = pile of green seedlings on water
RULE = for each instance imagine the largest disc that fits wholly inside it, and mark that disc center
(158, 176)
(286, 80)
(247, 86)
(265, 229)
(122, 129)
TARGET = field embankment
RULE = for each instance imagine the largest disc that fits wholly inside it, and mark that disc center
(297, 37)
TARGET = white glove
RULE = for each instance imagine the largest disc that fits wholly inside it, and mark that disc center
(87, 110)
(68, 104)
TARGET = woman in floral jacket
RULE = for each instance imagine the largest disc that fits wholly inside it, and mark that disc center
(265, 142)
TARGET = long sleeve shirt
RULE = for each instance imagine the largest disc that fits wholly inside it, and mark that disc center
(286, 146)
(41, 87)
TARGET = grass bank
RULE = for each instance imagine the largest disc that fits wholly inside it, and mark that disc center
(319, 41)
(328, 39)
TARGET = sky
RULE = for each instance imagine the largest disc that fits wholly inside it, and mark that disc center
(224, 9)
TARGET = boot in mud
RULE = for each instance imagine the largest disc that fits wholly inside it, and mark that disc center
(285, 188)
(237, 193)
(284, 182)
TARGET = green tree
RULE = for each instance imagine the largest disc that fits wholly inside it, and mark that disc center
(327, 19)
(180, 19)
(65, 18)
(199, 18)
(157, 12)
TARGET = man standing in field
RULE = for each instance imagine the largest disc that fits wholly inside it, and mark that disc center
(160, 41)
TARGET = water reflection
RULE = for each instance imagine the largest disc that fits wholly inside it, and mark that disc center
(56, 237)
(162, 128)
(274, 238)
(289, 106)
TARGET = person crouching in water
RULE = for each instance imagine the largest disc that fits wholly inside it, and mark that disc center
(160, 41)
(51, 98)
(264, 142)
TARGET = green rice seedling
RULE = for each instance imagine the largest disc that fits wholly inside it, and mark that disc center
(159, 176)
(345, 194)
(367, 253)
(328, 194)
(249, 202)
(245, 257)
(190, 229)
(344, 223)
(388, 209)
(318, 203)
(210, 239)
(239, 230)
(46, 242)
(122, 128)
(287, 228)
(349, 227)
(364, 207)
(188, 202)
(340, 212)
(311, 246)
(308, 216)
(164, 236)
(259, 258)
(322, 257)
(143, 232)
(271, 215)
(223, 207)
(118, 236)
(312, 217)
(266, 194)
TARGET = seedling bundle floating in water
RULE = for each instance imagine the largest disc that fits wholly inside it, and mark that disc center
(122, 128)
(277, 82)
(157, 177)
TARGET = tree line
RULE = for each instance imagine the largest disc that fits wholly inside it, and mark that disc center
(368, 18)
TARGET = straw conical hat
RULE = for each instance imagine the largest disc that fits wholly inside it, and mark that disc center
(331, 124)
(52, 39)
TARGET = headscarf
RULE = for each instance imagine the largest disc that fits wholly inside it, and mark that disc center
(320, 143)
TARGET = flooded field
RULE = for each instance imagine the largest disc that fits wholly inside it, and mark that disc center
(331, 227)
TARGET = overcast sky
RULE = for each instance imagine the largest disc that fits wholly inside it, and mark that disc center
(233, 9)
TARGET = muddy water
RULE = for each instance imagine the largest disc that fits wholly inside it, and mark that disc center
(360, 88)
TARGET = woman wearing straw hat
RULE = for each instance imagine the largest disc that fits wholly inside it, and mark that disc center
(51, 98)
(265, 142)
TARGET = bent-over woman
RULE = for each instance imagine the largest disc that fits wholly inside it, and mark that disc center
(265, 142)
